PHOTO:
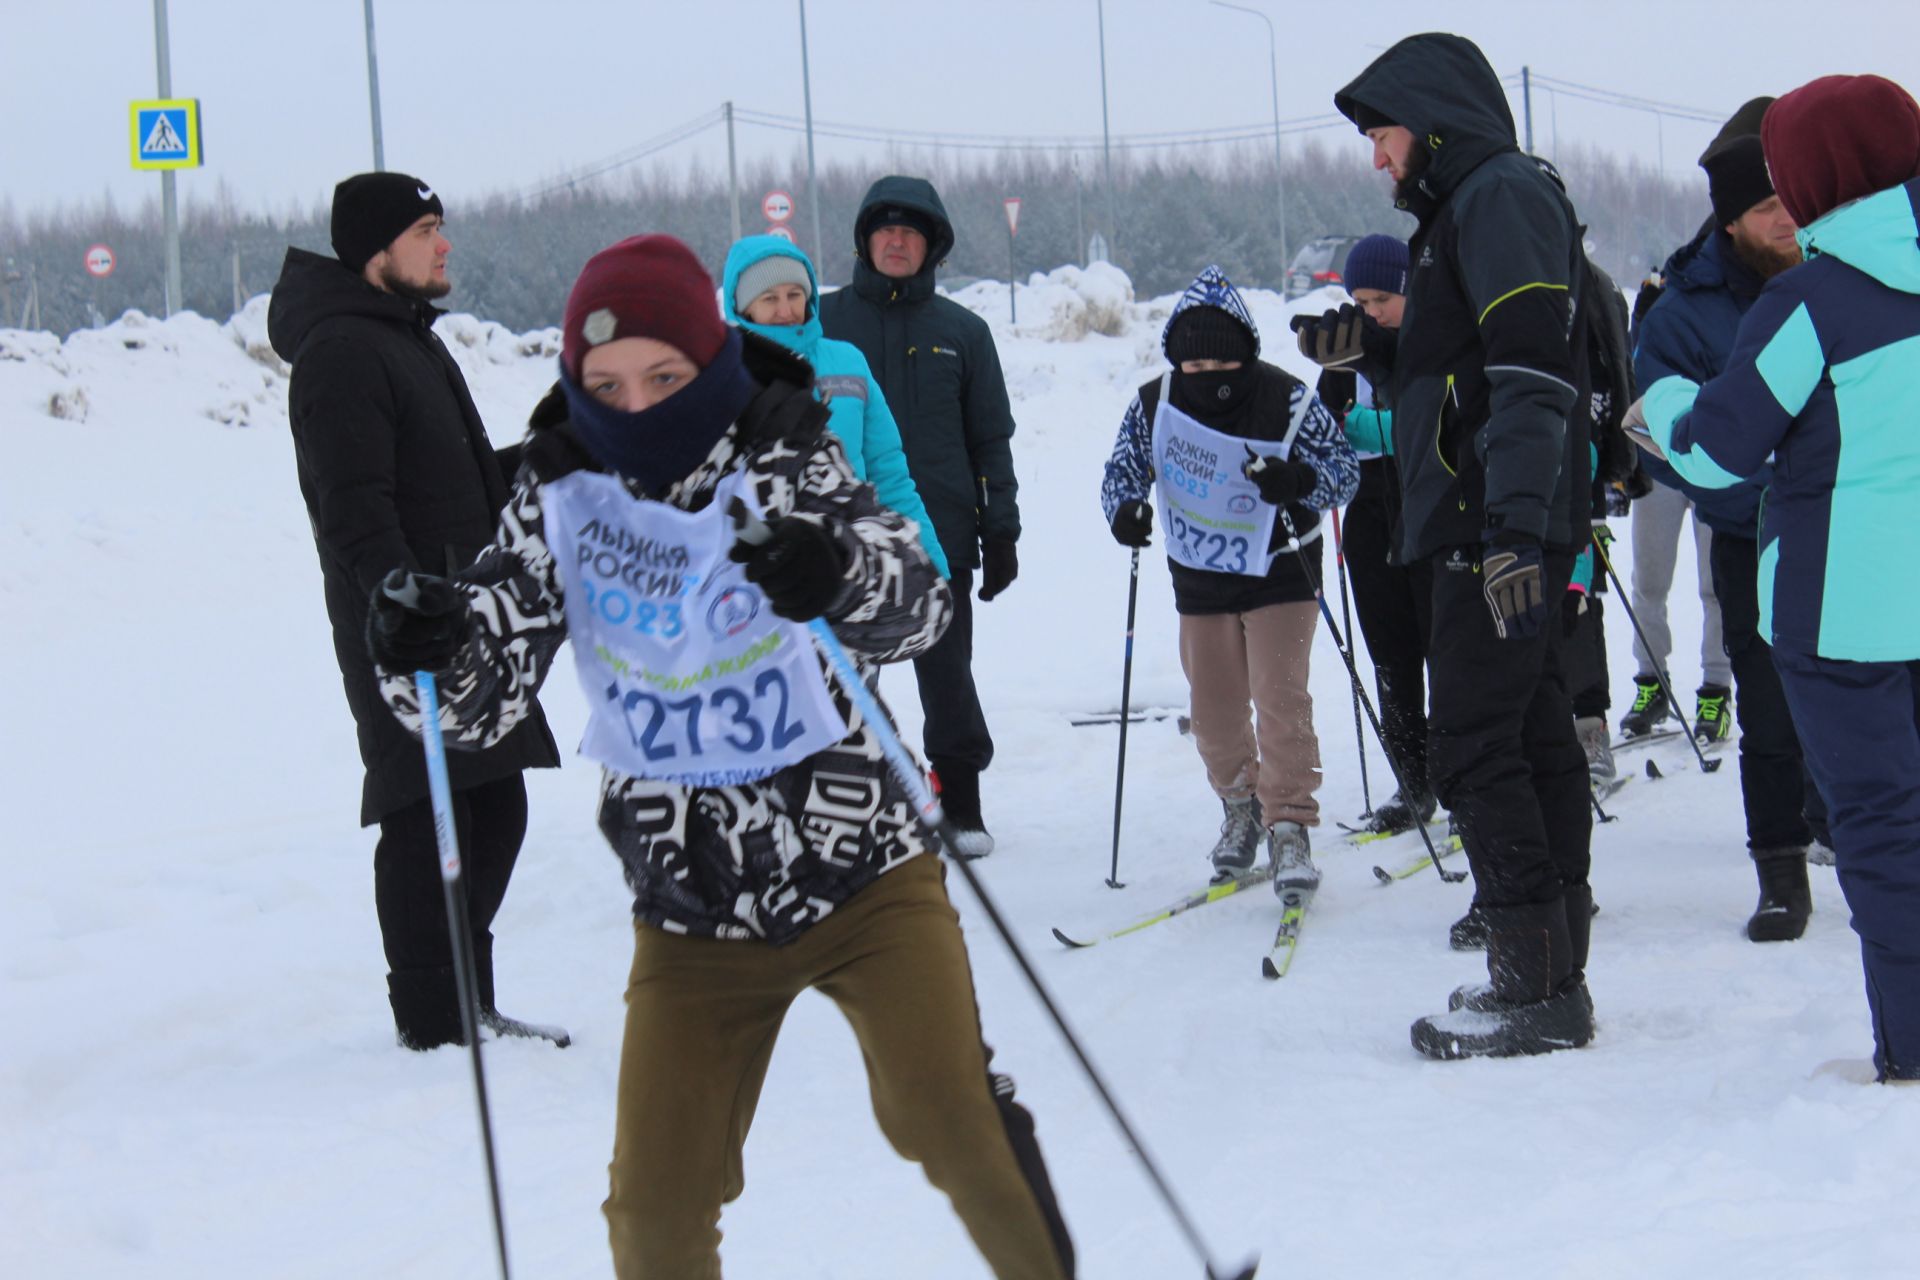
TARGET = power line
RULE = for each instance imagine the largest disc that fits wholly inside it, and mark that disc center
(1031, 142)
(1228, 135)
(620, 159)
(1610, 98)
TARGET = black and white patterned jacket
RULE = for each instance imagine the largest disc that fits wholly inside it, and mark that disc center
(765, 859)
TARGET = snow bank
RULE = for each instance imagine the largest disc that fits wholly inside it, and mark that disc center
(1063, 305)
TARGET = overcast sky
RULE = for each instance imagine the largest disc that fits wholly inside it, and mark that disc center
(494, 95)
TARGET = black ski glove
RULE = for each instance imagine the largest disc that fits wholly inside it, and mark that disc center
(416, 622)
(1133, 524)
(1510, 572)
(999, 566)
(1334, 338)
(800, 567)
(1280, 480)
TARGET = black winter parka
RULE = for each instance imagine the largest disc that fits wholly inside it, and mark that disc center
(397, 472)
(1488, 367)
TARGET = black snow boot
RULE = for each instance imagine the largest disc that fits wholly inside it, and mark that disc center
(1469, 932)
(426, 1007)
(1479, 996)
(1538, 1003)
(491, 1019)
(1785, 899)
(1401, 814)
(960, 798)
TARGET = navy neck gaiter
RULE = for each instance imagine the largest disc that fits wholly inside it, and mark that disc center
(658, 447)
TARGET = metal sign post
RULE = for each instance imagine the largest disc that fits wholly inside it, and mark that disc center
(1012, 204)
(99, 263)
(166, 136)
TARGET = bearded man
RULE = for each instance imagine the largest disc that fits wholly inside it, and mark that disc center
(397, 473)
(1710, 285)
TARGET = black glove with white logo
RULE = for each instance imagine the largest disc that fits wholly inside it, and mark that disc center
(1133, 524)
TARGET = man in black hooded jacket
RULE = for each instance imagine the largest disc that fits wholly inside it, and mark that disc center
(937, 364)
(397, 472)
(1489, 379)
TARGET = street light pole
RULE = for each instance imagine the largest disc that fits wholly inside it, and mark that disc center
(373, 94)
(169, 204)
(813, 186)
(1273, 70)
(1106, 139)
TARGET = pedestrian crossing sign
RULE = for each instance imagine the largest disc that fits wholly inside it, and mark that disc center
(166, 133)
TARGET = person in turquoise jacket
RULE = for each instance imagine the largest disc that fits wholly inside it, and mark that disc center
(1824, 379)
(770, 288)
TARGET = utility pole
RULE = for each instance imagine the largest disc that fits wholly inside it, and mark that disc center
(1279, 179)
(1106, 138)
(813, 186)
(1526, 103)
(373, 93)
(169, 204)
(733, 172)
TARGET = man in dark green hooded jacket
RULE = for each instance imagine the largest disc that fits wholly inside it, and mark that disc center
(937, 364)
(1489, 387)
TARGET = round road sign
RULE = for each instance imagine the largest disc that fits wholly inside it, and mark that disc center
(777, 205)
(99, 261)
(783, 233)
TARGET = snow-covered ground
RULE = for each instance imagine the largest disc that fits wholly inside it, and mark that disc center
(199, 1077)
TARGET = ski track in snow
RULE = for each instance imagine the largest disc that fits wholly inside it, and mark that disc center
(201, 1078)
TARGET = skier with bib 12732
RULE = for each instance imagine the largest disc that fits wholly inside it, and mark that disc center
(770, 849)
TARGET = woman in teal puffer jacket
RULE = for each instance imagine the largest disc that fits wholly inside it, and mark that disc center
(770, 288)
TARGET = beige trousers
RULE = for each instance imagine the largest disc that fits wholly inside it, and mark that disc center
(1258, 658)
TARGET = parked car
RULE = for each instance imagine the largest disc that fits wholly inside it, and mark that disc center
(1319, 263)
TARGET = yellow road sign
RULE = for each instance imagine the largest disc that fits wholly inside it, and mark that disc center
(166, 133)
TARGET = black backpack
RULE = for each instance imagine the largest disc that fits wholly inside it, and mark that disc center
(1610, 372)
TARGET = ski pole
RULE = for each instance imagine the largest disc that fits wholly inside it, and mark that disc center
(930, 813)
(1353, 674)
(1659, 672)
(753, 531)
(1126, 698)
(1346, 616)
(454, 885)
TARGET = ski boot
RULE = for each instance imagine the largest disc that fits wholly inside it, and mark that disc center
(1601, 773)
(1648, 710)
(1239, 844)
(1292, 857)
(1400, 814)
(1712, 714)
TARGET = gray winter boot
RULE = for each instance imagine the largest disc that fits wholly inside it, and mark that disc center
(1292, 856)
(1594, 740)
(1239, 844)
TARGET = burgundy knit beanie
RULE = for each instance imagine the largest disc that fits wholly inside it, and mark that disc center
(1837, 139)
(643, 287)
